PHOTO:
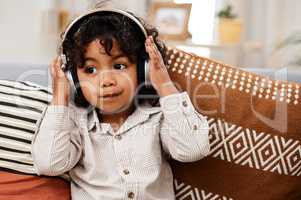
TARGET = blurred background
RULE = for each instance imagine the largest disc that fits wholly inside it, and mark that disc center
(243, 33)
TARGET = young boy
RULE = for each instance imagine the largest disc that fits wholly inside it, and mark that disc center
(119, 149)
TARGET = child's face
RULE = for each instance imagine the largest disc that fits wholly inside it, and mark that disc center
(106, 75)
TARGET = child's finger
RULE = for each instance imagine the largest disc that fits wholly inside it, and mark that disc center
(55, 68)
(52, 67)
(150, 45)
(157, 54)
(149, 50)
(154, 46)
(59, 70)
(153, 56)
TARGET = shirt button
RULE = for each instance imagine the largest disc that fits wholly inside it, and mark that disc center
(195, 127)
(184, 103)
(126, 172)
(117, 137)
(131, 195)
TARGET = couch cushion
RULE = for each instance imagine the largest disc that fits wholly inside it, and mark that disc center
(21, 107)
(255, 132)
(27, 187)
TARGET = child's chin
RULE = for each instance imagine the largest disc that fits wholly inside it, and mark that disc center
(110, 109)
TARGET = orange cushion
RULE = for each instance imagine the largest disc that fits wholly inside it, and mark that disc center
(27, 187)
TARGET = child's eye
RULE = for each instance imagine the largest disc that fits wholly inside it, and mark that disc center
(90, 69)
(120, 66)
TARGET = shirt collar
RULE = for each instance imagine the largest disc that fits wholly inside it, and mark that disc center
(141, 114)
(92, 120)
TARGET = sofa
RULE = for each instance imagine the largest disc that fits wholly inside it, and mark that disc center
(254, 131)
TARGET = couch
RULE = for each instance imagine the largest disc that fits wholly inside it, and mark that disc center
(252, 156)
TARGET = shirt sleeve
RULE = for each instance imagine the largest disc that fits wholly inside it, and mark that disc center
(184, 131)
(56, 147)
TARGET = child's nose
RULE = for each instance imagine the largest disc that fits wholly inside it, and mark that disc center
(107, 83)
(107, 79)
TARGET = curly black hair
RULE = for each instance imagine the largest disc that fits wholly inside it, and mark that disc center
(109, 26)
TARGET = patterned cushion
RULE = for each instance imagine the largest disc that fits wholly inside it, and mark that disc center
(21, 107)
(255, 133)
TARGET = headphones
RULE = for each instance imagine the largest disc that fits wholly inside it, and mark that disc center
(142, 65)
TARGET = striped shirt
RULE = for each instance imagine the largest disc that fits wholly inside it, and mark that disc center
(128, 164)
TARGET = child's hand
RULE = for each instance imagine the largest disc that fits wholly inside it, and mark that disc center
(159, 76)
(60, 83)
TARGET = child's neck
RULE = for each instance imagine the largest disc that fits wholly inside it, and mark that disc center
(116, 119)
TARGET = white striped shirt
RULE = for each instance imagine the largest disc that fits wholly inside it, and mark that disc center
(130, 164)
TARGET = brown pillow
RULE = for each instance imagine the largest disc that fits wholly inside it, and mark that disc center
(255, 132)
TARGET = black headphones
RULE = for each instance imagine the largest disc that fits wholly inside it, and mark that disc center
(143, 72)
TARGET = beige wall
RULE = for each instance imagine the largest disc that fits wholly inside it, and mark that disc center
(28, 31)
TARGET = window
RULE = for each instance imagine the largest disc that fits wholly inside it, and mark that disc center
(201, 23)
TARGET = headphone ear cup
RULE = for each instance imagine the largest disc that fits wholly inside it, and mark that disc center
(140, 71)
(143, 72)
(147, 73)
(73, 89)
(76, 93)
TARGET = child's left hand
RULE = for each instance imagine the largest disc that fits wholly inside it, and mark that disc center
(159, 76)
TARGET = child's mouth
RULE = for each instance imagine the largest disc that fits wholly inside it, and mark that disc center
(110, 96)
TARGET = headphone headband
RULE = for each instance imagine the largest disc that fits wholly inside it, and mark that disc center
(99, 10)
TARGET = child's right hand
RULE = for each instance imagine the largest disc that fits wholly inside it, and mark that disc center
(60, 83)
